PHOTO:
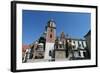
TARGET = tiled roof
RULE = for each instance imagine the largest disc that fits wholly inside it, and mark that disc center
(24, 47)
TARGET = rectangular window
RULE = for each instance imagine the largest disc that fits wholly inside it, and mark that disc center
(78, 44)
(51, 30)
(83, 44)
(60, 46)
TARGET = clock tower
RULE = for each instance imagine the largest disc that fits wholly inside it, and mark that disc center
(50, 38)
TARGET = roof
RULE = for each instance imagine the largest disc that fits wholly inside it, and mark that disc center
(89, 32)
(24, 47)
(78, 39)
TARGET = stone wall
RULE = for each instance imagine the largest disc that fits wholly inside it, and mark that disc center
(60, 54)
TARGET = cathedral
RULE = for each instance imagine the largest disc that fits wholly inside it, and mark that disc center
(50, 47)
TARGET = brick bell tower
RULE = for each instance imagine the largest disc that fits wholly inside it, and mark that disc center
(51, 32)
(50, 38)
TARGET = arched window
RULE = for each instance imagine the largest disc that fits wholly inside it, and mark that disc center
(50, 35)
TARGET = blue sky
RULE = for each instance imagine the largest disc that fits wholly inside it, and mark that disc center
(33, 24)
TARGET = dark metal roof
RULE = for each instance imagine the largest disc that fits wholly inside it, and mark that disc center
(88, 33)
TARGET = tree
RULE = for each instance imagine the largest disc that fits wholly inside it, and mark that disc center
(42, 40)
